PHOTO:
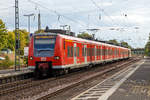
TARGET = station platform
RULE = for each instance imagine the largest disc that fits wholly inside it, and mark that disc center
(10, 75)
(132, 83)
(11, 72)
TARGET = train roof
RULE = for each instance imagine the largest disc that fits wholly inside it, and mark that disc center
(87, 41)
(80, 39)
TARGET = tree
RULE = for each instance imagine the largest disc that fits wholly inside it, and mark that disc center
(125, 44)
(24, 39)
(115, 42)
(11, 40)
(3, 35)
(147, 48)
(85, 36)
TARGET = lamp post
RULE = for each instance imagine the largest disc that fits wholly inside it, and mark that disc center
(29, 15)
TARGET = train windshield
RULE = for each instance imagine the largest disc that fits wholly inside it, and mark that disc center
(44, 46)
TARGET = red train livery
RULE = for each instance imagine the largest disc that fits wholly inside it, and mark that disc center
(50, 52)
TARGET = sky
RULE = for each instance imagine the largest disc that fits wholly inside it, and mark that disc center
(123, 20)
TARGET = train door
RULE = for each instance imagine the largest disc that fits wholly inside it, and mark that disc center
(90, 54)
(95, 53)
(75, 53)
(104, 52)
(85, 53)
(101, 52)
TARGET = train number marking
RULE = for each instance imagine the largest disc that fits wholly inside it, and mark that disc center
(43, 58)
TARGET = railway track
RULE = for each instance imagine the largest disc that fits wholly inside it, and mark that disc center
(31, 84)
(74, 84)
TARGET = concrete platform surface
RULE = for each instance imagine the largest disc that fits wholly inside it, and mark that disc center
(136, 87)
(11, 72)
(132, 83)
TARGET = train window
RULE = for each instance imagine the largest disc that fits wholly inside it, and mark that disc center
(68, 51)
(71, 51)
(44, 47)
(105, 51)
(78, 51)
(97, 51)
(88, 52)
(83, 51)
(100, 52)
(117, 52)
(92, 51)
(109, 51)
(75, 51)
(64, 44)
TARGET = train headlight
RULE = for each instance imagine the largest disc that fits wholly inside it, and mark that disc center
(31, 58)
(56, 57)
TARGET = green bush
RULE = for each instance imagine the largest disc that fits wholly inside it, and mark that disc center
(5, 64)
(25, 61)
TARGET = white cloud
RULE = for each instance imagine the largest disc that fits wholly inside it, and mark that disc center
(77, 12)
(105, 4)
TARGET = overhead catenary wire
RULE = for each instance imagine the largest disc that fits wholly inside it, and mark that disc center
(102, 10)
(7, 8)
(57, 13)
(3, 10)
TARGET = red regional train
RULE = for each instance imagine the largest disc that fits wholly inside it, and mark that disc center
(56, 53)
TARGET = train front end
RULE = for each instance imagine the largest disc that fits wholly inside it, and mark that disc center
(42, 54)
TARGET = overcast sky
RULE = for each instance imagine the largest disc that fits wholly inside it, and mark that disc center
(129, 19)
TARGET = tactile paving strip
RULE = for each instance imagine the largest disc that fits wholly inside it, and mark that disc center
(96, 92)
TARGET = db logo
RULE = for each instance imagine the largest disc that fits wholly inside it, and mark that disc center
(43, 58)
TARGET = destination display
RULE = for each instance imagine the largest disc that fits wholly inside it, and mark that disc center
(43, 37)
